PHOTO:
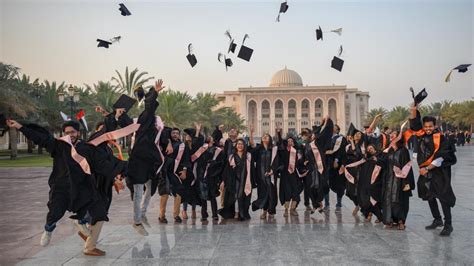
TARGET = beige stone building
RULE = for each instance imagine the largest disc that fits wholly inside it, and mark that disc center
(292, 106)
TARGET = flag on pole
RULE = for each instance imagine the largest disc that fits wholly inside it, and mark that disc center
(81, 117)
(64, 116)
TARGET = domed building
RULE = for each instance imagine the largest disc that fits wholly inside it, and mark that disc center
(290, 105)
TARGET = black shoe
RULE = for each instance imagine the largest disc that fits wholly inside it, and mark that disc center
(447, 229)
(215, 218)
(162, 220)
(178, 219)
(436, 223)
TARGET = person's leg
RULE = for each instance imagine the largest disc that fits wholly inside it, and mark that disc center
(163, 202)
(436, 215)
(91, 241)
(214, 208)
(176, 205)
(137, 198)
(339, 199)
(326, 200)
(57, 207)
(448, 227)
(204, 213)
(146, 198)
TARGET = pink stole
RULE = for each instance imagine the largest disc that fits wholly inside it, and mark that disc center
(375, 173)
(349, 177)
(194, 157)
(248, 185)
(317, 157)
(402, 173)
(292, 161)
(159, 127)
(116, 134)
(76, 156)
(178, 159)
(274, 154)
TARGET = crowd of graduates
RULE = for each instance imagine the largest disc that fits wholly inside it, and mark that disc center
(373, 169)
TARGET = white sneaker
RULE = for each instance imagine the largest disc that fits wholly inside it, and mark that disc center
(45, 238)
(140, 229)
(82, 228)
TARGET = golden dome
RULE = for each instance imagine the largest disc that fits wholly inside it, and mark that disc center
(286, 78)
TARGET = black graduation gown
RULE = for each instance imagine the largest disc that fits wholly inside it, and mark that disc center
(266, 185)
(81, 195)
(352, 157)
(437, 183)
(337, 182)
(395, 200)
(318, 183)
(234, 181)
(190, 184)
(291, 185)
(177, 186)
(208, 184)
(366, 189)
(145, 158)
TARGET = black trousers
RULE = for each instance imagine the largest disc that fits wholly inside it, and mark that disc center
(57, 206)
(435, 211)
(204, 213)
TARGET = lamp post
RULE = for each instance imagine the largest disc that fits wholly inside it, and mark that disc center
(71, 96)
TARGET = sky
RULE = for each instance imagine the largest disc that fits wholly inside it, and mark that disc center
(389, 46)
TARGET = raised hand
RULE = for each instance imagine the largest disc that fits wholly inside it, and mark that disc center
(13, 124)
(159, 85)
(119, 112)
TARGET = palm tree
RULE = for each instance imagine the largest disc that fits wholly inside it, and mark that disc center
(397, 116)
(228, 117)
(204, 105)
(373, 113)
(176, 108)
(14, 101)
(131, 80)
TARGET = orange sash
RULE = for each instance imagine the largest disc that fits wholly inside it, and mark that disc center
(436, 140)
(76, 156)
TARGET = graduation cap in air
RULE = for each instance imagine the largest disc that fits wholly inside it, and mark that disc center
(352, 130)
(245, 52)
(319, 33)
(124, 10)
(461, 69)
(139, 93)
(232, 44)
(283, 9)
(103, 43)
(191, 57)
(337, 63)
(115, 39)
(420, 96)
(190, 131)
(125, 102)
(227, 61)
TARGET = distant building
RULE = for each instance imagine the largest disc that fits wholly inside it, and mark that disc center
(292, 106)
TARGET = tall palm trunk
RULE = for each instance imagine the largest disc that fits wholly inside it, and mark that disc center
(13, 136)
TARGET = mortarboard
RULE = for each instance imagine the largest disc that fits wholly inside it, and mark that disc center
(124, 10)
(245, 52)
(125, 102)
(191, 57)
(103, 43)
(352, 130)
(337, 63)
(283, 9)
(420, 96)
(232, 44)
(227, 61)
(461, 69)
(190, 131)
(319, 34)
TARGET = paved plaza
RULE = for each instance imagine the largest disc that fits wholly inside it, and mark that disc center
(335, 238)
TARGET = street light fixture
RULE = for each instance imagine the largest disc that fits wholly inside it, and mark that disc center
(71, 95)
